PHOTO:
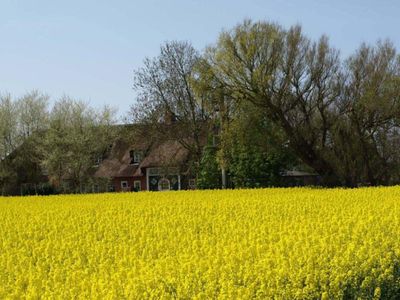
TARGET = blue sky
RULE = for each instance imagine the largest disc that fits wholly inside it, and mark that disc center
(89, 49)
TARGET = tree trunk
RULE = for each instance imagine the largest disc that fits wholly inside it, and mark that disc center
(223, 177)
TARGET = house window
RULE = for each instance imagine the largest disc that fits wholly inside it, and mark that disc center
(137, 185)
(135, 156)
(164, 185)
(124, 185)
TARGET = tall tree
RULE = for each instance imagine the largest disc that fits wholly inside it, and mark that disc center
(33, 120)
(257, 149)
(8, 140)
(246, 144)
(76, 136)
(166, 100)
(8, 126)
(302, 86)
(22, 125)
(370, 113)
(220, 107)
(32, 113)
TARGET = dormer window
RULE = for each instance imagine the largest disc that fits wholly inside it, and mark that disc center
(135, 156)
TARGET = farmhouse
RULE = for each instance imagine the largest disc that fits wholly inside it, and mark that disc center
(147, 166)
(132, 162)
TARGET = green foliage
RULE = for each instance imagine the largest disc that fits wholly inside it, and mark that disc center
(77, 134)
(316, 99)
(252, 167)
(257, 149)
(38, 189)
(22, 122)
(8, 177)
(209, 175)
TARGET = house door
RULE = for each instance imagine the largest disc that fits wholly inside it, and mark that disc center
(164, 184)
(163, 179)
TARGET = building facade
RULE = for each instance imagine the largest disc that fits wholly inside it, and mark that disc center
(143, 166)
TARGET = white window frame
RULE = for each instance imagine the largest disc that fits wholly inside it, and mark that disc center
(135, 157)
(122, 184)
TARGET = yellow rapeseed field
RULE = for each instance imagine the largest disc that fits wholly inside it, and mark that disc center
(242, 244)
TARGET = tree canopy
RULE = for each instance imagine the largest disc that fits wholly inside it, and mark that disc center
(340, 117)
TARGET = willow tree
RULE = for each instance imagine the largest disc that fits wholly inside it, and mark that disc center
(367, 138)
(303, 87)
